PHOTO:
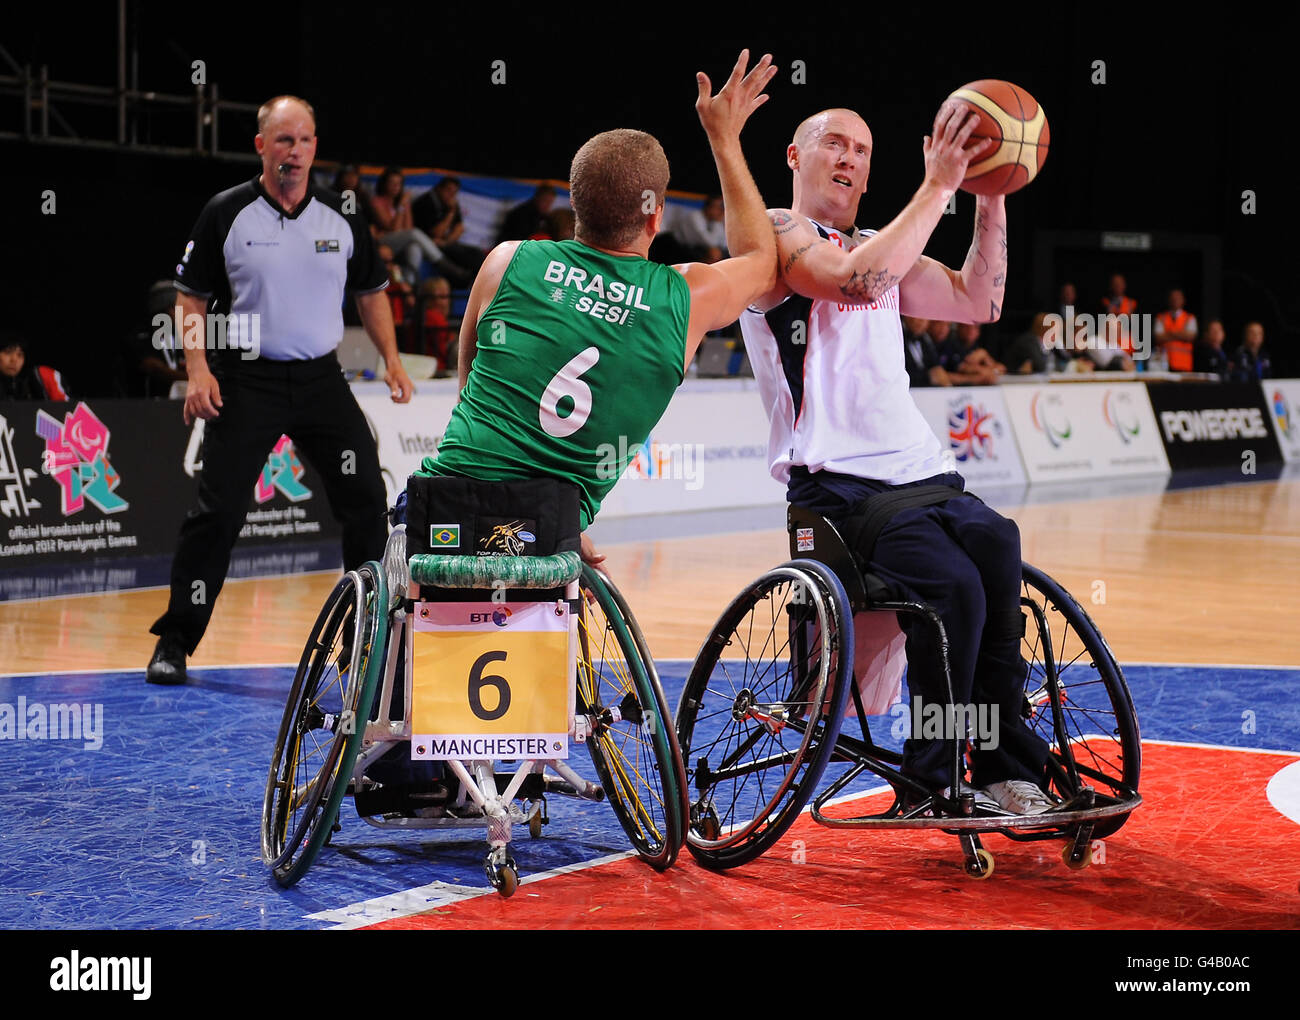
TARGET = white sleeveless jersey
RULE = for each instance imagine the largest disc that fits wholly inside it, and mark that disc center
(834, 383)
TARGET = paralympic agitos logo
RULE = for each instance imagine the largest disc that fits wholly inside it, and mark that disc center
(1049, 417)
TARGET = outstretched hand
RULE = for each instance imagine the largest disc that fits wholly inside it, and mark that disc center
(947, 155)
(725, 114)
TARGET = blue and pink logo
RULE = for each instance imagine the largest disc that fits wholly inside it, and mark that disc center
(971, 429)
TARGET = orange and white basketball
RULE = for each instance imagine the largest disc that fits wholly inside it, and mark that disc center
(1016, 122)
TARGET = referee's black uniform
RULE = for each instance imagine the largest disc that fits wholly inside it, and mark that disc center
(278, 375)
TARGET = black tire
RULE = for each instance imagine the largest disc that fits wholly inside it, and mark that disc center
(324, 723)
(748, 779)
(636, 757)
(1076, 698)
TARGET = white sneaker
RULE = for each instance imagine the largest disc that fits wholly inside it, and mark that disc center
(1020, 797)
(983, 799)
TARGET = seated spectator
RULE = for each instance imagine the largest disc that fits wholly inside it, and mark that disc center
(152, 357)
(1208, 355)
(1080, 352)
(20, 380)
(1040, 350)
(1067, 300)
(400, 294)
(560, 225)
(920, 357)
(437, 213)
(702, 232)
(1250, 361)
(435, 330)
(528, 217)
(393, 226)
(962, 356)
(1175, 334)
(348, 178)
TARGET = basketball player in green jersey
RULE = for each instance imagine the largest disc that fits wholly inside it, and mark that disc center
(577, 346)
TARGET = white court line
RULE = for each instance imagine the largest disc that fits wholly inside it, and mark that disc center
(190, 668)
(1221, 747)
(425, 898)
(158, 587)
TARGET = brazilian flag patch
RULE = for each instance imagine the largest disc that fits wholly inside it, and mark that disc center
(444, 536)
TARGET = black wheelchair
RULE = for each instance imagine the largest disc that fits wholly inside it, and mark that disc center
(583, 672)
(760, 718)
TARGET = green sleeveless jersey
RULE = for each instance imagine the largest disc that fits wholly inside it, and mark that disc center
(578, 355)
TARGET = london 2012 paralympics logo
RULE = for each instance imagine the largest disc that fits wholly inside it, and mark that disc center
(1047, 411)
(76, 456)
(971, 430)
(1282, 414)
(1121, 414)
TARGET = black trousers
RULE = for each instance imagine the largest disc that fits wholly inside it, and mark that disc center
(311, 403)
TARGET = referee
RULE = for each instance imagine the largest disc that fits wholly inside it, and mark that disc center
(275, 255)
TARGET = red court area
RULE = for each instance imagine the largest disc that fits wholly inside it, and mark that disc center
(1205, 851)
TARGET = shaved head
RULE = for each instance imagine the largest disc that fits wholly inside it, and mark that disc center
(813, 126)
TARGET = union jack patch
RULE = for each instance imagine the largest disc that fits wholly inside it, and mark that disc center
(803, 539)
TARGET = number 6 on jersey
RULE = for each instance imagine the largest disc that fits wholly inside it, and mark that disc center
(567, 382)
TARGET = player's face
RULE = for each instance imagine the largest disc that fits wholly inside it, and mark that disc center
(289, 139)
(835, 162)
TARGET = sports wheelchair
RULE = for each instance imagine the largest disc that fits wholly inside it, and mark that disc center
(371, 659)
(760, 717)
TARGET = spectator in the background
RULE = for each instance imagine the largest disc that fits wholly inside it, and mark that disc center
(702, 232)
(1117, 302)
(1208, 355)
(21, 380)
(394, 227)
(437, 213)
(152, 357)
(920, 357)
(528, 217)
(1250, 361)
(1175, 333)
(963, 357)
(437, 335)
(1067, 300)
(1082, 357)
(348, 178)
(560, 225)
(1037, 351)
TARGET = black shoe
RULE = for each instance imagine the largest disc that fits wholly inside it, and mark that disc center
(168, 663)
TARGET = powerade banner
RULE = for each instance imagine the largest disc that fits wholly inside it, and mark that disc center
(1208, 424)
(96, 479)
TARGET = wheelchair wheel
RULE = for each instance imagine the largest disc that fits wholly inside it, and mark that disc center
(762, 709)
(633, 747)
(324, 723)
(1076, 698)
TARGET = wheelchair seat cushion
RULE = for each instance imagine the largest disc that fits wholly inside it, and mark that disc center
(457, 516)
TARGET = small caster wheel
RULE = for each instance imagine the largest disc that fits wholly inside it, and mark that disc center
(502, 872)
(336, 827)
(535, 825)
(707, 824)
(982, 867)
(1071, 863)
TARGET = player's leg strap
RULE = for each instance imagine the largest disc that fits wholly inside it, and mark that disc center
(862, 528)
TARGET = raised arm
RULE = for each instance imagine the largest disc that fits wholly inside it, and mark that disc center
(975, 294)
(815, 267)
(720, 292)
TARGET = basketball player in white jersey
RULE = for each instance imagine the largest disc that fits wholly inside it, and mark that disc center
(826, 345)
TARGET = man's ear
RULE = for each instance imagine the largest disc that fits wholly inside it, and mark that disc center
(656, 221)
(792, 156)
(259, 143)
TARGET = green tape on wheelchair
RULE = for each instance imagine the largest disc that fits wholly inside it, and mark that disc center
(485, 571)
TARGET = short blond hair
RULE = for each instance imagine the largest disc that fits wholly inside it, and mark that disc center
(612, 177)
(265, 110)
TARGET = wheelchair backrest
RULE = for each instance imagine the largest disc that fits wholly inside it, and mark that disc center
(813, 537)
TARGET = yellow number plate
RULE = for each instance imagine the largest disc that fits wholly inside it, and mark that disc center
(491, 681)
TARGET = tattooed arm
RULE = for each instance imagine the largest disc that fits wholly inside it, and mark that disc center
(934, 291)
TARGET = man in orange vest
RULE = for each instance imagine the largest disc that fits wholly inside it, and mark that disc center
(1176, 333)
(1120, 304)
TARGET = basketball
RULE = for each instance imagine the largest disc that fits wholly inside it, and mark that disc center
(1018, 126)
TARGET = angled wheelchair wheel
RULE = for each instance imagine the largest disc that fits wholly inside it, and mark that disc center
(762, 709)
(1076, 698)
(633, 746)
(324, 722)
